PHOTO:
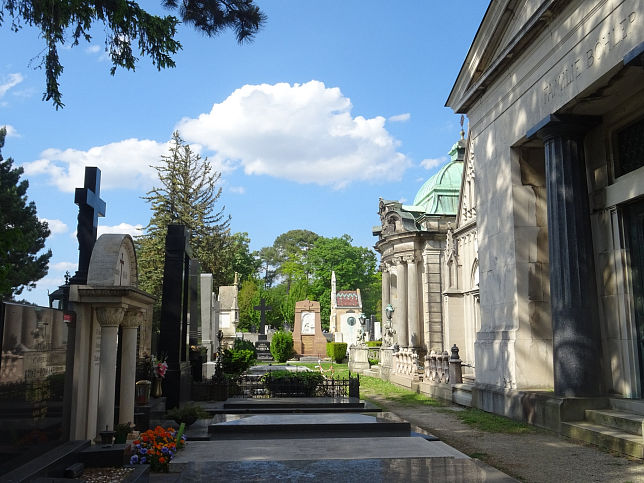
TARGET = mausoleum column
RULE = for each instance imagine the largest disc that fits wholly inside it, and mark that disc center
(386, 290)
(414, 329)
(109, 318)
(573, 295)
(401, 311)
(131, 321)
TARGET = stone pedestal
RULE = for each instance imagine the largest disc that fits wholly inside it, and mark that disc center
(386, 361)
(358, 358)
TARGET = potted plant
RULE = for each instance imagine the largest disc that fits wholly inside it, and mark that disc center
(187, 414)
(121, 431)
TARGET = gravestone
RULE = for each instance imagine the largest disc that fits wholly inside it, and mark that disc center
(263, 348)
(263, 308)
(175, 306)
(208, 325)
(32, 381)
(90, 207)
(308, 339)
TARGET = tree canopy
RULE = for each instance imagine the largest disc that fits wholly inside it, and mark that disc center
(129, 29)
(187, 194)
(298, 266)
(22, 234)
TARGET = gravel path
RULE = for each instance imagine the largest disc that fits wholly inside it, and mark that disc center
(535, 457)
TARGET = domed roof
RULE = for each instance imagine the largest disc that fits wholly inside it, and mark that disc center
(439, 194)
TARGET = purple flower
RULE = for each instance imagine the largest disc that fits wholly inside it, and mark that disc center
(143, 460)
(144, 450)
(134, 459)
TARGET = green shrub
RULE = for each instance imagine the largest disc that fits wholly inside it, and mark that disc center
(286, 383)
(373, 362)
(242, 344)
(374, 343)
(336, 351)
(282, 346)
(237, 361)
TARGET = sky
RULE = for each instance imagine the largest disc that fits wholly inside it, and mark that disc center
(335, 104)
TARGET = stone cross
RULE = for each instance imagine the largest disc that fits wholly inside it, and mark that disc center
(90, 207)
(263, 308)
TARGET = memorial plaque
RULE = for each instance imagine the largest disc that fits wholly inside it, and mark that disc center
(32, 381)
(263, 348)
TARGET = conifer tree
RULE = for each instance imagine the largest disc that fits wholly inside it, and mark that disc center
(22, 234)
(187, 194)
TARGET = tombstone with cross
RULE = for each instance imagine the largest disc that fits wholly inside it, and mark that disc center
(90, 207)
(262, 308)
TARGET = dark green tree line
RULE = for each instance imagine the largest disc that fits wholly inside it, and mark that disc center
(22, 234)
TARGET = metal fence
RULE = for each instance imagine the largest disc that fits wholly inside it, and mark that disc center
(264, 387)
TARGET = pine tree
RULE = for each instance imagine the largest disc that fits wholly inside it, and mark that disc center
(22, 235)
(187, 194)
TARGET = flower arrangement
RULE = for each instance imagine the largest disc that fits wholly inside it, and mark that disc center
(157, 447)
(160, 366)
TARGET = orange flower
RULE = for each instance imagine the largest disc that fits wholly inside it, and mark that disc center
(162, 460)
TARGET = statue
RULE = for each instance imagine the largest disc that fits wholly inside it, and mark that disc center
(389, 332)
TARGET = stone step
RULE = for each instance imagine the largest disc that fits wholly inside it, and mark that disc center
(635, 406)
(621, 420)
(604, 437)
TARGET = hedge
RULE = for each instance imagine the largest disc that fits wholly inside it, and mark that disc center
(336, 351)
(374, 343)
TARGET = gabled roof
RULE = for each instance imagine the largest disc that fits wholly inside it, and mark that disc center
(348, 298)
(507, 28)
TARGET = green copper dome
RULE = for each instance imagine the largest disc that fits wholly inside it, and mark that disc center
(439, 194)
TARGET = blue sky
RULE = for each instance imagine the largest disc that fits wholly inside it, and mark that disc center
(335, 104)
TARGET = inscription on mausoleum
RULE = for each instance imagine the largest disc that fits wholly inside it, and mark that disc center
(595, 51)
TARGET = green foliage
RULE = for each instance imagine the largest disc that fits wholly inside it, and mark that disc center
(336, 350)
(355, 267)
(22, 234)
(250, 295)
(242, 344)
(128, 29)
(236, 361)
(492, 423)
(373, 362)
(282, 346)
(187, 414)
(373, 386)
(374, 343)
(287, 382)
(187, 194)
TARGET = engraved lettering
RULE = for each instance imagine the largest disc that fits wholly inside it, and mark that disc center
(590, 59)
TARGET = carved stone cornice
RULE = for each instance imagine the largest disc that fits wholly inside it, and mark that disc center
(409, 259)
(110, 316)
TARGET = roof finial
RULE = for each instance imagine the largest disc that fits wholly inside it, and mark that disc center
(462, 131)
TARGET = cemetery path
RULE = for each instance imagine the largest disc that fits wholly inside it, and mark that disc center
(536, 457)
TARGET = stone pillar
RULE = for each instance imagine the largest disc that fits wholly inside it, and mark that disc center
(573, 295)
(386, 289)
(415, 329)
(131, 321)
(401, 310)
(109, 318)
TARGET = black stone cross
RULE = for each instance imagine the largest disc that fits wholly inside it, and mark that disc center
(263, 308)
(90, 207)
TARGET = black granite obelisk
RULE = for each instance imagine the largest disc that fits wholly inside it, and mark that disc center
(174, 315)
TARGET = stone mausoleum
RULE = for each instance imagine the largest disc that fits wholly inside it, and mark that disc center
(412, 240)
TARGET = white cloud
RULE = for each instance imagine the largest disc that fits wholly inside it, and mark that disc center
(399, 117)
(64, 266)
(402, 200)
(431, 163)
(50, 282)
(239, 190)
(10, 81)
(11, 131)
(123, 164)
(55, 226)
(93, 49)
(132, 230)
(301, 132)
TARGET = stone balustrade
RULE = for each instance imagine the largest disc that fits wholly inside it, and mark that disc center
(440, 367)
(405, 362)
